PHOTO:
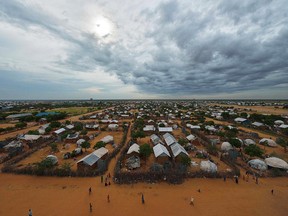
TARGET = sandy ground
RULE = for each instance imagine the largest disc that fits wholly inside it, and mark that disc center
(69, 196)
(258, 109)
(5, 125)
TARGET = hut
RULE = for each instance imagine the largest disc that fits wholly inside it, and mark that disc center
(269, 142)
(208, 166)
(93, 160)
(161, 153)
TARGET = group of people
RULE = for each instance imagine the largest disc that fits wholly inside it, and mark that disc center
(107, 180)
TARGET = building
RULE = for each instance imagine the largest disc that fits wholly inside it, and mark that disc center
(95, 160)
(18, 116)
(161, 153)
(169, 139)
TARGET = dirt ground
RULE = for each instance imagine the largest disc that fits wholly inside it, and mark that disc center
(52, 196)
(258, 109)
(5, 125)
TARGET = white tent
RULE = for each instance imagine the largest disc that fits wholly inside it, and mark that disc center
(208, 166)
(107, 139)
(269, 142)
(276, 163)
(258, 164)
(52, 158)
(190, 137)
(248, 142)
(226, 146)
(133, 148)
(160, 150)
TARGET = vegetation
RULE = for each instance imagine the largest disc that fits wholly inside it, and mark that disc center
(254, 150)
(145, 151)
(185, 160)
(55, 124)
(183, 141)
(85, 145)
(21, 125)
(33, 132)
(235, 142)
(54, 147)
(99, 144)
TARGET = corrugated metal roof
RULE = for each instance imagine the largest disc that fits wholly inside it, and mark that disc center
(94, 156)
(160, 150)
(178, 149)
(169, 139)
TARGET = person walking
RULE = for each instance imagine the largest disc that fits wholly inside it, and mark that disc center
(30, 212)
(192, 201)
(90, 205)
(101, 178)
(272, 191)
(90, 191)
(108, 198)
(143, 201)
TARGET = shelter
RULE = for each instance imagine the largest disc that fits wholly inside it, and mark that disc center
(133, 162)
(165, 129)
(161, 153)
(59, 131)
(155, 139)
(178, 151)
(276, 163)
(149, 128)
(248, 142)
(208, 166)
(134, 149)
(258, 164)
(113, 126)
(93, 160)
(107, 139)
(18, 116)
(269, 142)
(190, 137)
(169, 139)
(52, 158)
(226, 146)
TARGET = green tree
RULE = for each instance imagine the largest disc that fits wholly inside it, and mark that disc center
(54, 147)
(55, 124)
(145, 151)
(66, 167)
(183, 141)
(21, 125)
(235, 142)
(33, 132)
(85, 145)
(99, 144)
(185, 160)
(48, 129)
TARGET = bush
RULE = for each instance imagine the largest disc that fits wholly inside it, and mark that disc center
(145, 150)
(99, 144)
(185, 160)
(21, 125)
(85, 145)
(182, 141)
(254, 150)
(33, 132)
(54, 147)
(55, 124)
(235, 142)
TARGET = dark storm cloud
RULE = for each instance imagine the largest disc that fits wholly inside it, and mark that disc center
(190, 47)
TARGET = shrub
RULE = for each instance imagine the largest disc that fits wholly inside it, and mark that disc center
(145, 150)
(235, 142)
(254, 150)
(99, 145)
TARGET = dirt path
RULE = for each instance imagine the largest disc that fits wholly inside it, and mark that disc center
(113, 162)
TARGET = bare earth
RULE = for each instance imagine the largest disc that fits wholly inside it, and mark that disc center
(258, 109)
(52, 196)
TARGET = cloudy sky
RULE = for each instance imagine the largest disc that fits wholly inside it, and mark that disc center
(63, 49)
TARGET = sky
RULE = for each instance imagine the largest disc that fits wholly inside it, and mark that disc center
(152, 49)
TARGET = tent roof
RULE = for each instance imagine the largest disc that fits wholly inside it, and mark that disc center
(159, 150)
(169, 139)
(178, 149)
(134, 148)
